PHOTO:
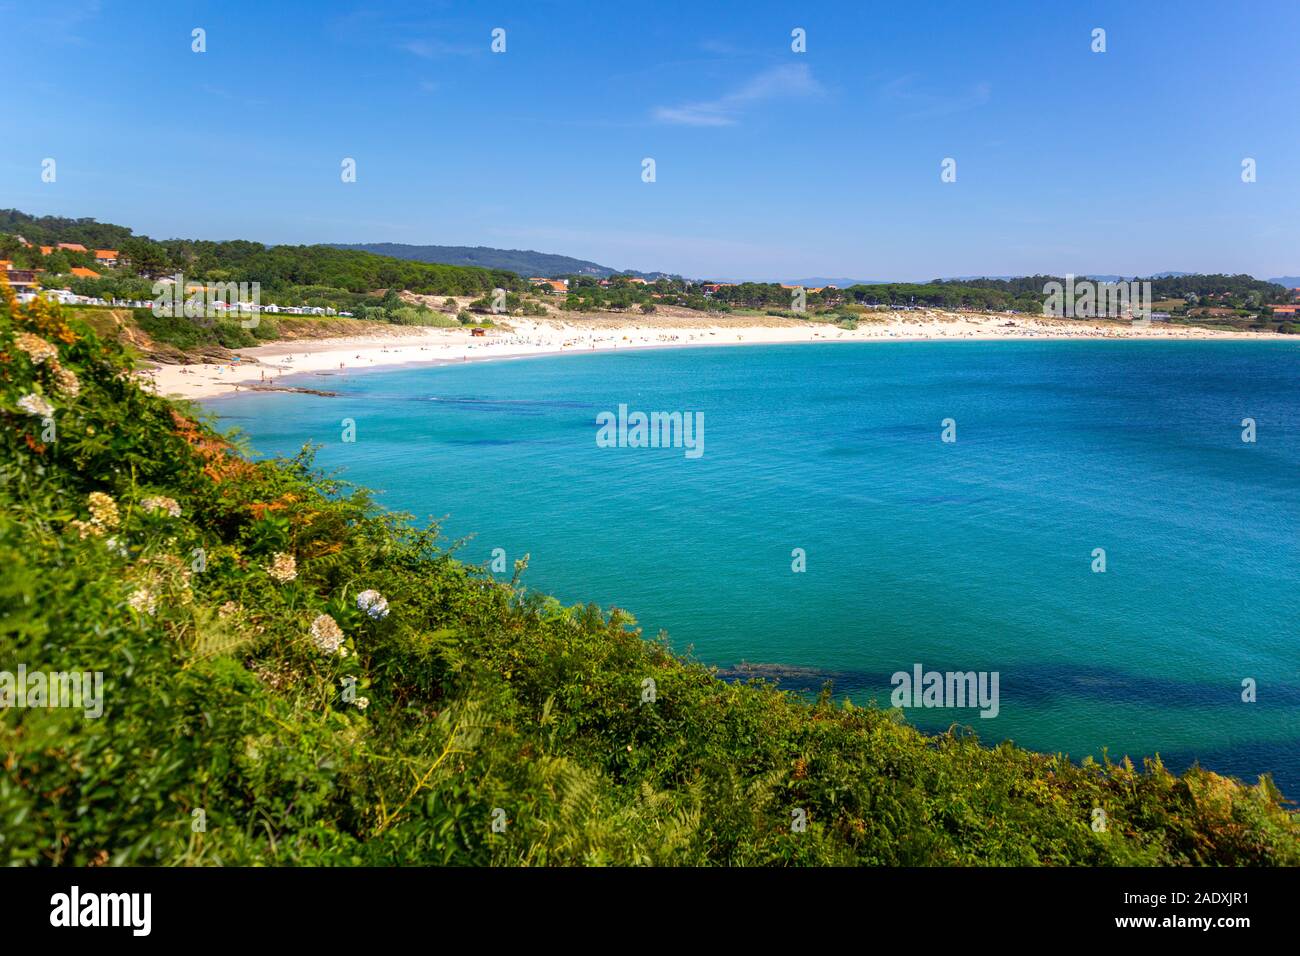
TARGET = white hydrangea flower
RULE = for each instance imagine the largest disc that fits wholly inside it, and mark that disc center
(284, 567)
(66, 381)
(327, 635)
(37, 349)
(143, 600)
(34, 404)
(103, 509)
(162, 503)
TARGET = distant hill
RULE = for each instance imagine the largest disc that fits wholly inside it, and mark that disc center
(1096, 277)
(1291, 282)
(841, 283)
(524, 262)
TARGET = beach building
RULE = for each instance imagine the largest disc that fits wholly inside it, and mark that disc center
(22, 280)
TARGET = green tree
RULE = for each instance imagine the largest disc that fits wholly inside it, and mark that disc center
(147, 257)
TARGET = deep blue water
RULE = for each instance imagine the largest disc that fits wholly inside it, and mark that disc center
(971, 555)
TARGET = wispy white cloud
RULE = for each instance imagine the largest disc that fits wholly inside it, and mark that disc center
(409, 31)
(719, 47)
(432, 49)
(222, 93)
(921, 103)
(793, 81)
(61, 23)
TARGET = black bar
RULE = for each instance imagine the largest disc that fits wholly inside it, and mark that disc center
(345, 907)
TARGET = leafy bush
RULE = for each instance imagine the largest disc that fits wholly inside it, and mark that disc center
(267, 328)
(293, 676)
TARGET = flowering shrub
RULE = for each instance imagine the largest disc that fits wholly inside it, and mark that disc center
(327, 635)
(373, 604)
(284, 567)
(163, 504)
(378, 710)
(34, 404)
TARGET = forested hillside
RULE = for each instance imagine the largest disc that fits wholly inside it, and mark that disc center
(524, 262)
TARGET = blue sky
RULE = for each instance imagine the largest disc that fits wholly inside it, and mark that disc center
(769, 163)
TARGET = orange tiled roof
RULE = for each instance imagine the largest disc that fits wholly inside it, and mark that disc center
(105, 253)
(84, 273)
(46, 250)
(72, 246)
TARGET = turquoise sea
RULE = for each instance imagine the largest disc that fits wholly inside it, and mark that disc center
(968, 555)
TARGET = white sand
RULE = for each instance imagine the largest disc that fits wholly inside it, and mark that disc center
(313, 363)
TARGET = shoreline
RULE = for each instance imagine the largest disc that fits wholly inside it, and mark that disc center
(303, 364)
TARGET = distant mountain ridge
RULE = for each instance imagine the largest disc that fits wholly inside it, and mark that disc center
(523, 262)
(840, 283)
(1096, 277)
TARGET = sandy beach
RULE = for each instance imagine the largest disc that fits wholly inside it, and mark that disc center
(312, 363)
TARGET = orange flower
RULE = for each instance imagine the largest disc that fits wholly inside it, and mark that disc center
(220, 463)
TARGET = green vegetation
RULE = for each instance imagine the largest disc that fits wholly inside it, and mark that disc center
(588, 295)
(191, 334)
(1247, 297)
(318, 276)
(283, 269)
(51, 230)
(984, 295)
(1243, 291)
(773, 298)
(292, 676)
